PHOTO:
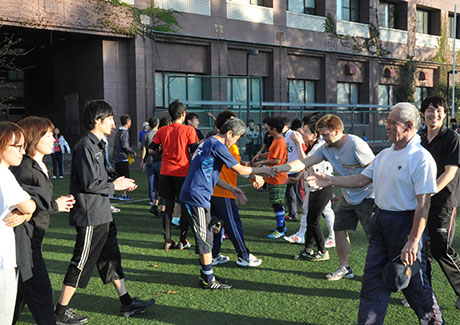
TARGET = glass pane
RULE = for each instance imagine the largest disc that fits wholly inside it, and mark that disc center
(310, 91)
(451, 27)
(296, 5)
(310, 7)
(239, 91)
(342, 93)
(354, 10)
(346, 9)
(391, 16)
(383, 14)
(159, 89)
(257, 87)
(339, 9)
(296, 91)
(177, 88)
(194, 90)
(419, 21)
(418, 97)
(383, 95)
(354, 93)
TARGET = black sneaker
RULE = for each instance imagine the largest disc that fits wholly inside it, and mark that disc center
(71, 317)
(138, 306)
(215, 284)
(154, 210)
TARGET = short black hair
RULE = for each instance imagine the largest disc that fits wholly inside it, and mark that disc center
(124, 119)
(190, 116)
(296, 124)
(264, 121)
(276, 123)
(95, 109)
(311, 120)
(251, 120)
(175, 109)
(285, 120)
(223, 117)
(436, 101)
(153, 122)
(164, 121)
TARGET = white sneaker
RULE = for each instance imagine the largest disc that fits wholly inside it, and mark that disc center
(221, 259)
(329, 243)
(251, 261)
(114, 209)
(295, 239)
(54, 177)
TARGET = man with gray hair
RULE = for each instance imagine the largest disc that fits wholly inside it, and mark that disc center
(404, 178)
(202, 177)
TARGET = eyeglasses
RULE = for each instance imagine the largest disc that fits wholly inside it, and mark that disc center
(20, 147)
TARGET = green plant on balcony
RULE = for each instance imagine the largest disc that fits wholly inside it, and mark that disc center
(10, 49)
(405, 90)
(372, 44)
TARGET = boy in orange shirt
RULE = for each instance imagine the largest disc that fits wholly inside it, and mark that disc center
(277, 155)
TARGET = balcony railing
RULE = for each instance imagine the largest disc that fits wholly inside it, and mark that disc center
(345, 27)
(304, 21)
(425, 40)
(198, 7)
(392, 35)
(247, 12)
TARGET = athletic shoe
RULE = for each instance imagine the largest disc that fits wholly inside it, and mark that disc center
(114, 209)
(318, 256)
(71, 317)
(54, 177)
(304, 255)
(175, 222)
(150, 202)
(125, 198)
(154, 210)
(220, 259)
(290, 218)
(181, 246)
(225, 236)
(215, 284)
(251, 261)
(295, 239)
(341, 272)
(405, 303)
(276, 234)
(138, 306)
(329, 243)
(114, 197)
(61, 177)
(167, 246)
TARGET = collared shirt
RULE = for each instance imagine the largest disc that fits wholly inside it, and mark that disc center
(445, 149)
(89, 183)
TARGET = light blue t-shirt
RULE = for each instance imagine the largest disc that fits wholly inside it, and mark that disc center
(351, 159)
(204, 172)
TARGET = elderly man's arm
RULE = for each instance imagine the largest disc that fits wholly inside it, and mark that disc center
(350, 181)
(409, 251)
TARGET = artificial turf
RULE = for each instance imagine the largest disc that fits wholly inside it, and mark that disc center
(281, 290)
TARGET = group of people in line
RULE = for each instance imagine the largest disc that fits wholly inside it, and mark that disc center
(405, 199)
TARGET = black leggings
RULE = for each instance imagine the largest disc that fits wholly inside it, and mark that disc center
(316, 204)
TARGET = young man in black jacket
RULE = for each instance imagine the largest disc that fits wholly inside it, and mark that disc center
(96, 243)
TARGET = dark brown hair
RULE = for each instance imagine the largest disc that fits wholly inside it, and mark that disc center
(35, 128)
(8, 131)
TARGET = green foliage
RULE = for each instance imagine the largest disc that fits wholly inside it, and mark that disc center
(405, 90)
(10, 50)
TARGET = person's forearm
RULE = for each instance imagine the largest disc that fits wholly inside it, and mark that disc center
(225, 185)
(300, 151)
(350, 181)
(270, 162)
(420, 219)
(446, 177)
(293, 166)
(143, 153)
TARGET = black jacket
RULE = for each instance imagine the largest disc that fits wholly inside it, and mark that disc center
(121, 147)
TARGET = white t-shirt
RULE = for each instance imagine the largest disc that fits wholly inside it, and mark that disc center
(323, 167)
(351, 159)
(399, 175)
(293, 151)
(11, 193)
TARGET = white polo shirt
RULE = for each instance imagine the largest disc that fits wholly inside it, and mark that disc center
(400, 175)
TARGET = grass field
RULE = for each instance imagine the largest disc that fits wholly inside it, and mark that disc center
(281, 290)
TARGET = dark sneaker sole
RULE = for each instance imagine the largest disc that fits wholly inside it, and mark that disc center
(133, 312)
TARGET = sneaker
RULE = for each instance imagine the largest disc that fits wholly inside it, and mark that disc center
(304, 255)
(181, 246)
(71, 317)
(138, 306)
(225, 236)
(220, 259)
(291, 218)
(175, 222)
(214, 284)
(251, 261)
(295, 239)
(125, 198)
(276, 234)
(114, 209)
(154, 210)
(405, 303)
(318, 256)
(150, 202)
(114, 197)
(167, 246)
(341, 272)
(329, 243)
(61, 177)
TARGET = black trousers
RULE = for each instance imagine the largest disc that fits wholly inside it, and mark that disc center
(36, 292)
(316, 203)
(293, 196)
(441, 229)
(58, 166)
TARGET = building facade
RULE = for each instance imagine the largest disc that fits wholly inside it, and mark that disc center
(343, 52)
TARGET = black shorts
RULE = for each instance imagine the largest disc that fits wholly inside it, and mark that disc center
(200, 219)
(122, 168)
(170, 186)
(95, 246)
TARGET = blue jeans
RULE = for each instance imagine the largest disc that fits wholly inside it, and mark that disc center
(151, 181)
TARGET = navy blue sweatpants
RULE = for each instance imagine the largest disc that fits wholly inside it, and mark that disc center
(388, 231)
(226, 210)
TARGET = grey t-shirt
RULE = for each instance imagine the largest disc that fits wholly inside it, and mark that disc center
(351, 159)
(146, 141)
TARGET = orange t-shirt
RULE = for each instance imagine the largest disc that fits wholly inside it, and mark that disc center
(277, 150)
(228, 176)
(175, 140)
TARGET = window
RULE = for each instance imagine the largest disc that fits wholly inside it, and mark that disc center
(422, 21)
(301, 91)
(303, 6)
(452, 26)
(237, 91)
(387, 15)
(347, 93)
(348, 10)
(387, 95)
(420, 94)
(184, 87)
